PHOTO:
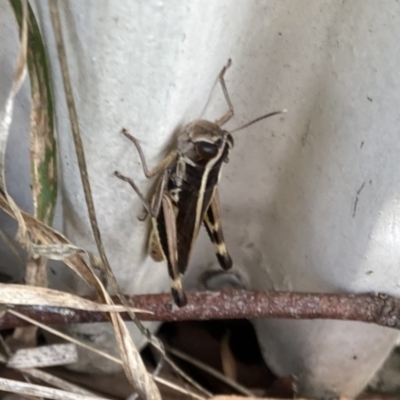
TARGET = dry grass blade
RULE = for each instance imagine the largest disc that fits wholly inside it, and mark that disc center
(233, 384)
(74, 261)
(233, 397)
(43, 146)
(42, 151)
(227, 397)
(57, 250)
(132, 362)
(51, 379)
(5, 123)
(186, 377)
(66, 337)
(57, 245)
(56, 381)
(24, 295)
(177, 388)
(12, 386)
(29, 389)
(12, 245)
(35, 274)
(101, 353)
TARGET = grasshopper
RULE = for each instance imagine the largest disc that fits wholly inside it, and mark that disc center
(187, 193)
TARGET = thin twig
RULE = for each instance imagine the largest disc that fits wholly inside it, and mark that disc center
(212, 371)
(171, 385)
(186, 377)
(378, 309)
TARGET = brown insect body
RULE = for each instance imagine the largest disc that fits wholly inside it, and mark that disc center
(192, 180)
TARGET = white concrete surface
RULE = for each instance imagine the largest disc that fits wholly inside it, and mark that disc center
(289, 191)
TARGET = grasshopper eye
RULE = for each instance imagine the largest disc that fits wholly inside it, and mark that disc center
(206, 150)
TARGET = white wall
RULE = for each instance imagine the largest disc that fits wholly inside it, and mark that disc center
(289, 191)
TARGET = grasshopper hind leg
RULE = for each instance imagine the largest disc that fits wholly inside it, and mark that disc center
(223, 257)
(212, 223)
(159, 252)
(165, 230)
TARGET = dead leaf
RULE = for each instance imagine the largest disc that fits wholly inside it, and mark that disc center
(13, 386)
(44, 356)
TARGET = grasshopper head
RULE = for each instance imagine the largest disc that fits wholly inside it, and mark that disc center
(203, 141)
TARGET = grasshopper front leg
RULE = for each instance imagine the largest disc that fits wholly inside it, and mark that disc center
(153, 208)
(131, 182)
(158, 168)
(229, 114)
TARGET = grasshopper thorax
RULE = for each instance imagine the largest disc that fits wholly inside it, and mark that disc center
(202, 141)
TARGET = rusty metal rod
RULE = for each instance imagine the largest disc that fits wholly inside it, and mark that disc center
(379, 309)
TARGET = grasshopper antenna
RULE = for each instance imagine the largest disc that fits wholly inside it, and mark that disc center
(259, 119)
